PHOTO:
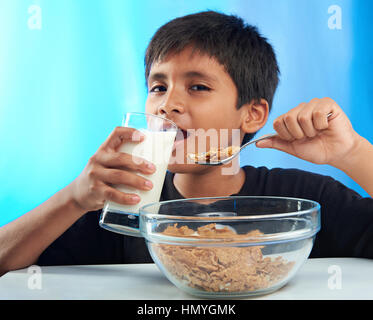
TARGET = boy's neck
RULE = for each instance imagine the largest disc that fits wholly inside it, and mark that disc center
(210, 184)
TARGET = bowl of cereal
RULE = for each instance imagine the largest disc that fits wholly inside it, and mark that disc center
(230, 246)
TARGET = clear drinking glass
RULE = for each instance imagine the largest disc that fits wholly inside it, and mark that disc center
(157, 147)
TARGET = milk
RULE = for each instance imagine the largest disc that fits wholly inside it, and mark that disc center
(156, 148)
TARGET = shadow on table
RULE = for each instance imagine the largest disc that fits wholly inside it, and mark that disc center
(145, 271)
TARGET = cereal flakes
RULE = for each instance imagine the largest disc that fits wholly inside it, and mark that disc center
(214, 154)
(216, 269)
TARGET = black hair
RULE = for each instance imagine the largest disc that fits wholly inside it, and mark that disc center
(246, 56)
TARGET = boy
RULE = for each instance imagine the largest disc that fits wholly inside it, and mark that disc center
(206, 70)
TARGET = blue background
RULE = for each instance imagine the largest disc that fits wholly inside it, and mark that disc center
(64, 87)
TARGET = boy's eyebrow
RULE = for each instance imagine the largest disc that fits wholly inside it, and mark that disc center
(198, 74)
(189, 74)
(157, 76)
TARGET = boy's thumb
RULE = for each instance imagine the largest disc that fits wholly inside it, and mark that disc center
(275, 143)
(266, 143)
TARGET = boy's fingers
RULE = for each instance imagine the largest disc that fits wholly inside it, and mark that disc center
(121, 160)
(281, 129)
(111, 194)
(121, 135)
(121, 177)
(305, 120)
(293, 126)
(314, 117)
(320, 119)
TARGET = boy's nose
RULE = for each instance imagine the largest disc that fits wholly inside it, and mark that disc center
(167, 109)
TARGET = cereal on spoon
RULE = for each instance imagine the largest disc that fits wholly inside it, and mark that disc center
(214, 154)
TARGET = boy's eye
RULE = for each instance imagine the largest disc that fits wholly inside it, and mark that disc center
(199, 87)
(158, 89)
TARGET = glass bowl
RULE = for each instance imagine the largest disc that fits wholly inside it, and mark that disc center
(228, 247)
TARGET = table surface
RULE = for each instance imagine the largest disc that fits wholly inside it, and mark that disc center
(337, 278)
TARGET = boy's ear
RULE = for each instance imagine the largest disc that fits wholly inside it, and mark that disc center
(254, 115)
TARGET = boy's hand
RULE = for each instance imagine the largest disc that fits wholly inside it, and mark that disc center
(307, 133)
(109, 167)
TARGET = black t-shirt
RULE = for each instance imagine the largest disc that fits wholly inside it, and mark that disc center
(346, 221)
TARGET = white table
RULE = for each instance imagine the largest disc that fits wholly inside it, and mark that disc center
(330, 279)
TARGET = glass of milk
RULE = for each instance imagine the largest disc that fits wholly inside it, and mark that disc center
(157, 147)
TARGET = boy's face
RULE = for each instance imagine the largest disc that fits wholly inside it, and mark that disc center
(195, 92)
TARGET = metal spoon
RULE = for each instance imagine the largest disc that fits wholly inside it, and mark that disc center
(223, 161)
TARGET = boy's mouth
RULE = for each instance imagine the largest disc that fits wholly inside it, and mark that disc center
(181, 134)
(181, 139)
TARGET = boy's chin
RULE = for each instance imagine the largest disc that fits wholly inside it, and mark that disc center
(185, 168)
